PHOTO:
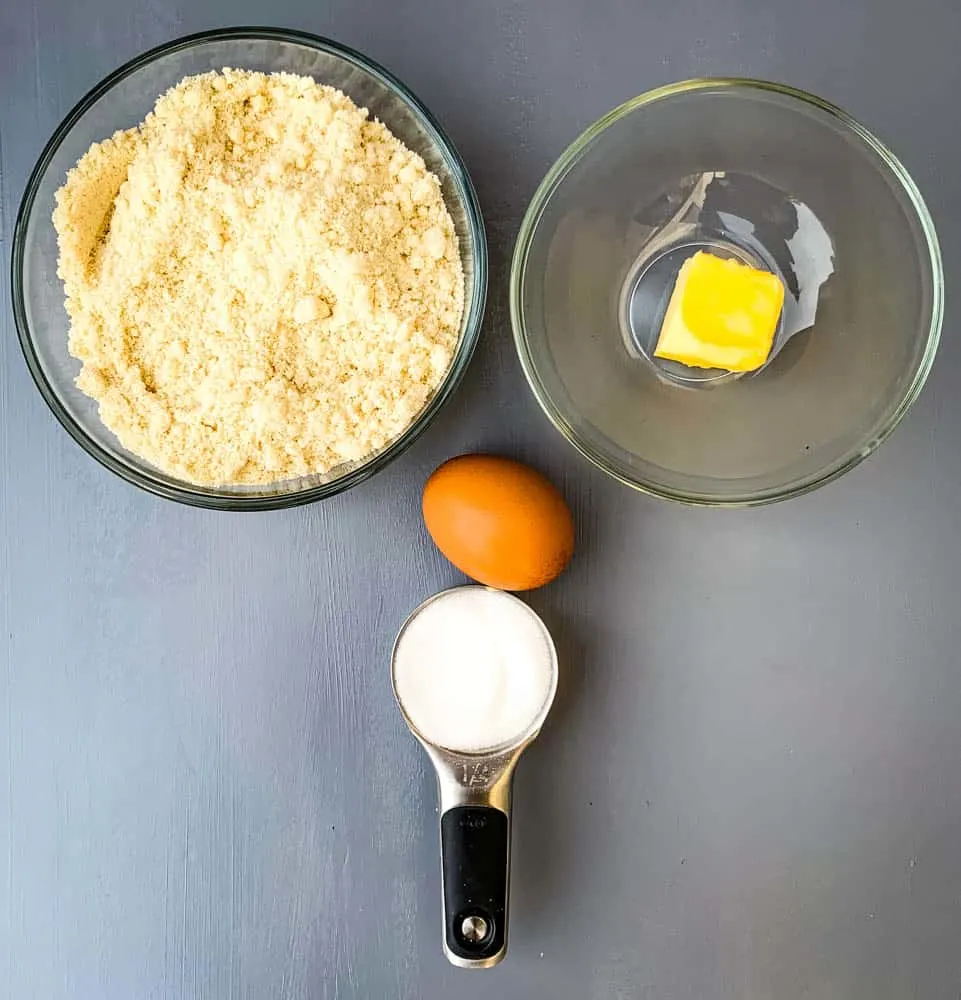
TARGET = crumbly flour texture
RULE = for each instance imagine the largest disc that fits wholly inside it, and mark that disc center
(262, 282)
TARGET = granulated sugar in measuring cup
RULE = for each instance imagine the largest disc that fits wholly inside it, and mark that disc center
(474, 673)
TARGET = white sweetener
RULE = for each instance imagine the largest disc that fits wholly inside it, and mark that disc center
(474, 669)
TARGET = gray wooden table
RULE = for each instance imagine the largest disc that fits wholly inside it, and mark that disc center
(750, 784)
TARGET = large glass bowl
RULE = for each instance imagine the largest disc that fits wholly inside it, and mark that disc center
(123, 100)
(744, 169)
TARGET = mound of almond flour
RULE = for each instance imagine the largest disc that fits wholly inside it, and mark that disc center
(262, 283)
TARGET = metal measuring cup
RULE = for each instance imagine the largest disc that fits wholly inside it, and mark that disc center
(474, 790)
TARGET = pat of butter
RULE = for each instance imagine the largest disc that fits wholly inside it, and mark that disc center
(722, 314)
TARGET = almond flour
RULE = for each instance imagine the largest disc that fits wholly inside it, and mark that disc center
(262, 283)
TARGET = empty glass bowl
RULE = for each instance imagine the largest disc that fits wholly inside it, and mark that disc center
(123, 100)
(765, 174)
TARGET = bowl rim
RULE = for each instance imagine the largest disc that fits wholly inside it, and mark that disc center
(200, 496)
(573, 153)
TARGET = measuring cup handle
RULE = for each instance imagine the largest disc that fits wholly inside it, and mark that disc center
(475, 859)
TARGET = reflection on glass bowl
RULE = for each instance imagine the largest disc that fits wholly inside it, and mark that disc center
(729, 215)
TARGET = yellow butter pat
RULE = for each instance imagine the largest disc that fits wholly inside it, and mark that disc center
(722, 314)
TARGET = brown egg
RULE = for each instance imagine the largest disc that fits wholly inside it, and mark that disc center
(499, 521)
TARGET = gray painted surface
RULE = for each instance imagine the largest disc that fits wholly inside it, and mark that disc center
(749, 787)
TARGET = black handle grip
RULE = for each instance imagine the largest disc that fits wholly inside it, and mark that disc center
(475, 858)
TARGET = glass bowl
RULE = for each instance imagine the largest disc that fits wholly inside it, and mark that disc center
(780, 180)
(123, 100)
